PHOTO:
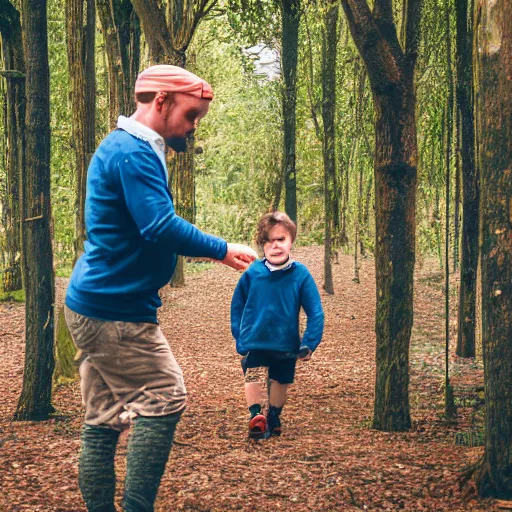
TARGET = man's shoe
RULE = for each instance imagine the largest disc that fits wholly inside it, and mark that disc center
(258, 427)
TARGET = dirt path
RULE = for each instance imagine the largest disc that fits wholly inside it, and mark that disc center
(328, 458)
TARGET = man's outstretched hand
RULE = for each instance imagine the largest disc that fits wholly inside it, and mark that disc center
(239, 256)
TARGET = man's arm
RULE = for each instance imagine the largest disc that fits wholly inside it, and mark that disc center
(150, 205)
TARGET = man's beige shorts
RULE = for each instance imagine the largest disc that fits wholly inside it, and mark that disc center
(126, 369)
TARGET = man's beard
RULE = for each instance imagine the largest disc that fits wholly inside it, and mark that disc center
(178, 144)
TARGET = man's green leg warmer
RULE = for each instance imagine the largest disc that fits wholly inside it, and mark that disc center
(96, 476)
(148, 451)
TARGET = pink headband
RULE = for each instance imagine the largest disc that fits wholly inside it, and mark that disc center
(169, 78)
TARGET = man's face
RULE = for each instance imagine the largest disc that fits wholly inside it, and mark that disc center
(180, 115)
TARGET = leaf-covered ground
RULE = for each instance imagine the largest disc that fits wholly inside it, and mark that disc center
(328, 458)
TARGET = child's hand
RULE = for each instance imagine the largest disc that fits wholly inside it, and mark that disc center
(304, 354)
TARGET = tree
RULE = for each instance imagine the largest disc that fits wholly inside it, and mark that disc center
(470, 183)
(329, 47)
(493, 26)
(290, 16)
(37, 259)
(390, 67)
(14, 65)
(121, 28)
(448, 129)
(81, 26)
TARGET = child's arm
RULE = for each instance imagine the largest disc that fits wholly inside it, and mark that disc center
(312, 305)
(237, 309)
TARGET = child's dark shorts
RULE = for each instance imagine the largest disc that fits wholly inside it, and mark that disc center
(281, 365)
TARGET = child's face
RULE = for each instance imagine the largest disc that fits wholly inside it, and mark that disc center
(277, 249)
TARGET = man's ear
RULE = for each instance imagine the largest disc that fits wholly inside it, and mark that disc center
(160, 100)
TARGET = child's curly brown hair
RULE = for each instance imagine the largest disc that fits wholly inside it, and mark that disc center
(268, 221)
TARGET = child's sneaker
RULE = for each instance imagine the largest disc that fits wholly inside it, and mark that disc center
(274, 423)
(274, 427)
(258, 427)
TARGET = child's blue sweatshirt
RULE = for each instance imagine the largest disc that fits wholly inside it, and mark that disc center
(265, 309)
(133, 234)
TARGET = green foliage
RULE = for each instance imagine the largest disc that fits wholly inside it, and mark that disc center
(255, 20)
(15, 296)
(241, 138)
(62, 157)
(195, 267)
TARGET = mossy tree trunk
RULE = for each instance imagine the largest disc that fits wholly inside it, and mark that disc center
(14, 66)
(493, 24)
(290, 19)
(470, 184)
(37, 258)
(182, 180)
(390, 67)
(80, 31)
(121, 28)
(329, 47)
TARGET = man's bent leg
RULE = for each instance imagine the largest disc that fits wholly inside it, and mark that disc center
(96, 475)
(148, 450)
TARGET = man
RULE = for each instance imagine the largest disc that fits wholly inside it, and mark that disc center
(128, 373)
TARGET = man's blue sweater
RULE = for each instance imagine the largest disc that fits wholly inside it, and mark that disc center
(265, 309)
(133, 234)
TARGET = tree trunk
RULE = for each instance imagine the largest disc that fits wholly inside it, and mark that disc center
(390, 68)
(290, 13)
(470, 185)
(14, 64)
(121, 28)
(37, 258)
(329, 47)
(456, 214)
(395, 197)
(449, 405)
(345, 194)
(493, 23)
(183, 188)
(80, 28)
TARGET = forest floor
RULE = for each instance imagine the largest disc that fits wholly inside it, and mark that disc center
(328, 458)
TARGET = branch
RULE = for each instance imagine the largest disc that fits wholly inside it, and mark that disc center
(12, 74)
(155, 29)
(412, 30)
(201, 11)
(381, 54)
(359, 18)
(383, 10)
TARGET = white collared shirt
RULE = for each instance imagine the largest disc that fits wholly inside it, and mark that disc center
(143, 132)
(273, 268)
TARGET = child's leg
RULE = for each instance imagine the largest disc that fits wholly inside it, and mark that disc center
(256, 376)
(278, 394)
(254, 386)
(254, 393)
(281, 373)
(255, 369)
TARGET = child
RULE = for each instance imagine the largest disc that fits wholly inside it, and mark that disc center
(265, 321)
